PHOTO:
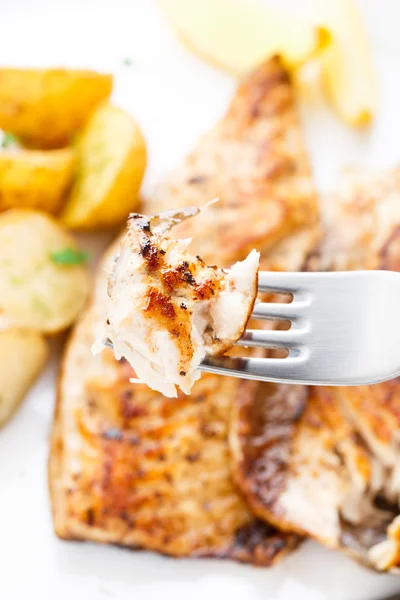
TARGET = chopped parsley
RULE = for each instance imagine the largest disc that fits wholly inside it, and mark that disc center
(127, 62)
(8, 140)
(69, 257)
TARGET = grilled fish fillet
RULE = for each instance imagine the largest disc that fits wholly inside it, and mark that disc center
(325, 461)
(167, 309)
(130, 466)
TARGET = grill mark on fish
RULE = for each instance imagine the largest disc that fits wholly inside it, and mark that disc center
(181, 276)
(150, 253)
(159, 305)
(174, 319)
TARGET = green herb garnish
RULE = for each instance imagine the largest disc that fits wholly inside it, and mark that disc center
(69, 257)
(127, 62)
(8, 140)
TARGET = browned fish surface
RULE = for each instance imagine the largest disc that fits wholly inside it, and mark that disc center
(325, 462)
(254, 162)
(132, 467)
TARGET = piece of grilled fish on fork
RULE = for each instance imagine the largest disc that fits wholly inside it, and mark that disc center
(344, 330)
(167, 309)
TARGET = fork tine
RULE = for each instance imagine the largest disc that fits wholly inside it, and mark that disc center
(278, 370)
(280, 282)
(291, 283)
(271, 338)
(279, 311)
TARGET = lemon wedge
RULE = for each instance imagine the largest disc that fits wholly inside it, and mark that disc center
(348, 75)
(237, 35)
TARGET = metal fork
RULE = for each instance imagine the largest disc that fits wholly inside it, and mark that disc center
(345, 330)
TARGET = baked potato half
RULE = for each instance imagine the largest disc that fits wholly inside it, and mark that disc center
(44, 282)
(35, 178)
(22, 357)
(111, 161)
(45, 107)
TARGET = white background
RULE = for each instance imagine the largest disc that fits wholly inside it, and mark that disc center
(175, 98)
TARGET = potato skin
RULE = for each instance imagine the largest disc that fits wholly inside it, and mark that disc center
(36, 291)
(23, 354)
(45, 107)
(35, 179)
(111, 161)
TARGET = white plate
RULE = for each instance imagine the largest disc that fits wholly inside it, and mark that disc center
(176, 98)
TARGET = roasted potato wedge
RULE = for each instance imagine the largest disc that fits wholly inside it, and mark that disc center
(43, 281)
(45, 107)
(111, 160)
(35, 178)
(22, 356)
